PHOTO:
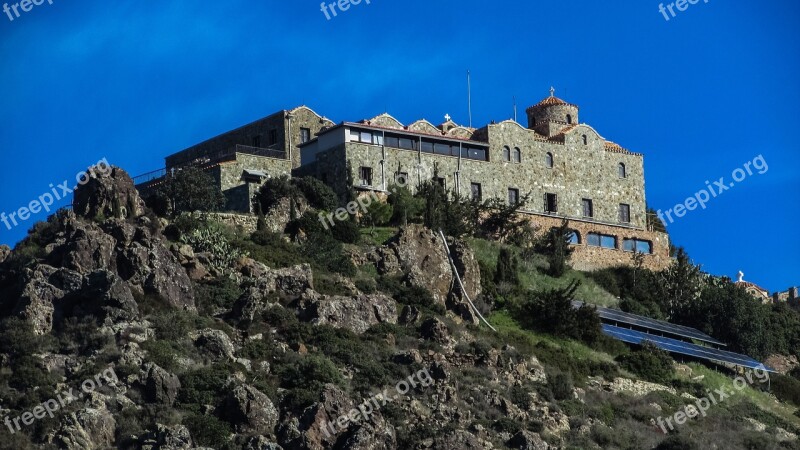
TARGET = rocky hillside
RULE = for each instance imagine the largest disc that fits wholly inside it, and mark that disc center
(124, 330)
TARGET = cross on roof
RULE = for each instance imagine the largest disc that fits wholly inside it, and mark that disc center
(552, 91)
(447, 117)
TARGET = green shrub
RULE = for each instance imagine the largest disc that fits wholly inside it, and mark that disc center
(409, 295)
(649, 362)
(212, 240)
(318, 194)
(189, 189)
(204, 386)
(162, 353)
(678, 442)
(219, 293)
(208, 431)
(561, 385)
(346, 231)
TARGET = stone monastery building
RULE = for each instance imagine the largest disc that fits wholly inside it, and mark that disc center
(568, 170)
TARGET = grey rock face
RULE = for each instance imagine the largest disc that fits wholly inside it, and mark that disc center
(356, 313)
(161, 386)
(110, 192)
(251, 410)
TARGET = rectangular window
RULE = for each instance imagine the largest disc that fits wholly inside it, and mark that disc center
(588, 208)
(624, 213)
(392, 142)
(441, 149)
(477, 193)
(601, 240)
(407, 144)
(550, 203)
(513, 196)
(273, 137)
(427, 147)
(366, 137)
(256, 141)
(355, 135)
(305, 135)
(639, 246)
(608, 241)
(365, 174)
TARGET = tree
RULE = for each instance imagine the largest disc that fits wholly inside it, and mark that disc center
(405, 206)
(503, 221)
(506, 271)
(187, 190)
(681, 283)
(556, 246)
(377, 213)
(551, 311)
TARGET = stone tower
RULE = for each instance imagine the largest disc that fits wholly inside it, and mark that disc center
(550, 116)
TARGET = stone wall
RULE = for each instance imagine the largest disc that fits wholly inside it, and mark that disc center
(237, 190)
(243, 222)
(588, 258)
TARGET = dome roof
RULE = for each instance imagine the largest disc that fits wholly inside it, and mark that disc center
(551, 101)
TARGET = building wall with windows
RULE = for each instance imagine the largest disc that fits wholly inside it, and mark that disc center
(567, 170)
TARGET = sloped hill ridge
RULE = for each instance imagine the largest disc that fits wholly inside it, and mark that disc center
(186, 356)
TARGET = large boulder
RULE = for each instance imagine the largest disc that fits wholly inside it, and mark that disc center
(215, 343)
(317, 429)
(49, 294)
(527, 440)
(5, 252)
(86, 429)
(418, 254)
(109, 192)
(357, 313)
(251, 410)
(160, 386)
(168, 438)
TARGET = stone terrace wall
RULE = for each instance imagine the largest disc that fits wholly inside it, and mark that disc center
(589, 258)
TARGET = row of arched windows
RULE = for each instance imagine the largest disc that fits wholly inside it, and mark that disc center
(515, 155)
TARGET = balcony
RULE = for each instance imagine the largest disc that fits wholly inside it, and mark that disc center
(226, 155)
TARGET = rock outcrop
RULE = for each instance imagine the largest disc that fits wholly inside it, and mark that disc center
(252, 410)
(356, 313)
(109, 192)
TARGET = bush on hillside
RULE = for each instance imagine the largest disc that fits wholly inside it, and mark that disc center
(187, 190)
(649, 362)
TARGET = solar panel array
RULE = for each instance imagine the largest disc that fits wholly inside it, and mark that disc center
(651, 324)
(683, 348)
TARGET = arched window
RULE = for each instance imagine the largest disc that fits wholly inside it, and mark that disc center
(517, 155)
(506, 153)
(569, 119)
(585, 140)
(574, 238)
(548, 160)
(622, 172)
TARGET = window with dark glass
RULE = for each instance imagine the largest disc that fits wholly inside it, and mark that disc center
(440, 180)
(477, 194)
(585, 140)
(273, 137)
(441, 149)
(256, 141)
(624, 213)
(427, 147)
(638, 246)
(601, 240)
(305, 135)
(392, 141)
(517, 155)
(506, 153)
(548, 160)
(550, 203)
(569, 119)
(513, 196)
(406, 143)
(365, 174)
(588, 208)
(622, 171)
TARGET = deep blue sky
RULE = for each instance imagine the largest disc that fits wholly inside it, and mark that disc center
(699, 95)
